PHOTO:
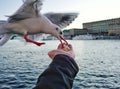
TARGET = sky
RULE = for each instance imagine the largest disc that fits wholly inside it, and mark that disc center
(89, 10)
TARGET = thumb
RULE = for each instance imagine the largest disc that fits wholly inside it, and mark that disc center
(52, 54)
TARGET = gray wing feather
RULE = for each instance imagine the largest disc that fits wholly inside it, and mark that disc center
(30, 8)
(61, 19)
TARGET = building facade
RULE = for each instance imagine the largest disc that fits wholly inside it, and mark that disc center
(104, 27)
(74, 32)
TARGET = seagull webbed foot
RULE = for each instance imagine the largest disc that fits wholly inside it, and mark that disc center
(31, 41)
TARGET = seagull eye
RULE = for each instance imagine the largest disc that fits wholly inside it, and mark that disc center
(57, 29)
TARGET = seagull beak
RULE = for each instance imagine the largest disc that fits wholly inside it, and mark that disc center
(62, 40)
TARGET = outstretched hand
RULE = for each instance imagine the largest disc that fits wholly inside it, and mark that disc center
(62, 49)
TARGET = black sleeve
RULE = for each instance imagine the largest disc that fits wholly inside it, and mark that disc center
(59, 75)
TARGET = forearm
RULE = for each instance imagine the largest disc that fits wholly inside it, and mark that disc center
(59, 75)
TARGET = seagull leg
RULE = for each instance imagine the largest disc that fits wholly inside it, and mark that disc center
(61, 38)
(61, 42)
(64, 40)
(31, 41)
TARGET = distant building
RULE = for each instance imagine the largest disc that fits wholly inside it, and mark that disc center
(67, 34)
(103, 27)
(74, 32)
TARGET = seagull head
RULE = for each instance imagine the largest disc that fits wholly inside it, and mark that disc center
(59, 34)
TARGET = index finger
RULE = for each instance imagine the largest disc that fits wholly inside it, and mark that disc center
(70, 46)
(59, 46)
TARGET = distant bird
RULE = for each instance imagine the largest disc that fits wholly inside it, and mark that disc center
(28, 20)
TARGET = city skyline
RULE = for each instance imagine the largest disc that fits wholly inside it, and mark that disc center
(88, 10)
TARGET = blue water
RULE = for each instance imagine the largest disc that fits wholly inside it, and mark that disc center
(98, 61)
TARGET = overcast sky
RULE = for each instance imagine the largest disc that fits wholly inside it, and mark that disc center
(90, 10)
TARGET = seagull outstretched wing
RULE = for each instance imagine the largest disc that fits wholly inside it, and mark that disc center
(29, 9)
(61, 19)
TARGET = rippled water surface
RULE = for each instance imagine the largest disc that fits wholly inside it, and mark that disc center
(98, 60)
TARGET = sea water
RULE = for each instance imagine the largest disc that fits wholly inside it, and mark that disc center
(98, 61)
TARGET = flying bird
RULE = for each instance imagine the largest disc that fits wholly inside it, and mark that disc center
(28, 20)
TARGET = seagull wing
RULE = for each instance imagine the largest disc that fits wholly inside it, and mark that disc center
(29, 9)
(4, 39)
(61, 19)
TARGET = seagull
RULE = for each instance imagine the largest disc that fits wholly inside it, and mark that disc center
(28, 20)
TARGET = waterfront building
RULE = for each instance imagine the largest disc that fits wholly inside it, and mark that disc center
(103, 27)
(67, 34)
(74, 32)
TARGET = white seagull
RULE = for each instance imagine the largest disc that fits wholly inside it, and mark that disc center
(28, 20)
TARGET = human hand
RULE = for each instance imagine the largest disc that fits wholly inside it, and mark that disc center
(62, 49)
